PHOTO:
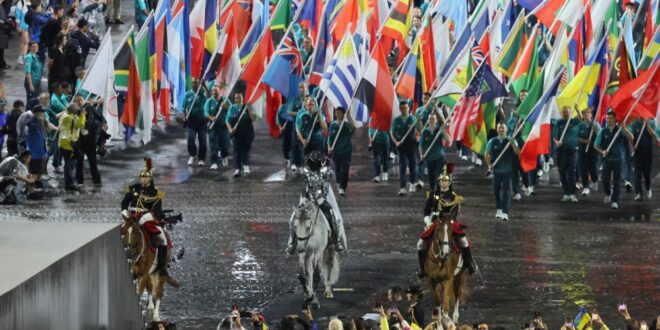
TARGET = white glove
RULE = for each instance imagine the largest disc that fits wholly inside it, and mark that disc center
(125, 214)
(427, 220)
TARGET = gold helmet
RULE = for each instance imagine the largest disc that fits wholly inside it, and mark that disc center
(146, 170)
(447, 172)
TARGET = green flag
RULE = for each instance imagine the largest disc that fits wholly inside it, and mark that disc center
(122, 62)
(512, 48)
(533, 96)
(280, 21)
(146, 114)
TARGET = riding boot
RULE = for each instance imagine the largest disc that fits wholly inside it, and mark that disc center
(421, 256)
(291, 245)
(334, 235)
(161, 258)
(469, 261)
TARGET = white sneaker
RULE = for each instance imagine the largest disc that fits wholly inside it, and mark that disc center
(237, 173)
(546, 167)
(288, 163)
(551, 162)
(573, 199)
(638, 197)
(593, 186)
(649, 194)
(342, 192)
(377, 179)
(392, 155)
(191, 160)
(411, 188)
(225, 162)
(539, 173)
(474, 158)
(565, 199)
(402, 191)
(530, 190)
(200, 163)
(294, 168)
(615, 205)
(463, 157)
(214, 166)
(19, 60)
(578, 186)
(478, 162)
(498, 214)
(58, 169)
(517, 197)
(505, 217)
(586, 192)
(384, 176)
(606, 200)
(246, 169)
(419, 185)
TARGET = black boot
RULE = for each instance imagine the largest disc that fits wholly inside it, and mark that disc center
(468, 260)
(421, 255)
(161, 260)
(334, 236)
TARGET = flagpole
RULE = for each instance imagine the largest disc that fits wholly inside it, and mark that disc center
(577, 100)
(82, 82)
(435, 139)
(639, 138)
(417, 37)
(338, 132)
(646, 85)
(123, 41)
(519, 128)
(208, 67)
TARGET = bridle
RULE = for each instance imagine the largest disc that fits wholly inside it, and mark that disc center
(441, 243)
(302, 211)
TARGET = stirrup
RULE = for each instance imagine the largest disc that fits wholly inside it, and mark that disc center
(290, 249)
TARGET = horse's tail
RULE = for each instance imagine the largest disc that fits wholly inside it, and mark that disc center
(172, 282)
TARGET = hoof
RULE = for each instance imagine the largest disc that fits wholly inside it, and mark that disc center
(328, 294)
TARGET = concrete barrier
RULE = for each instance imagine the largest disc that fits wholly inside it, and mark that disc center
(65, 276)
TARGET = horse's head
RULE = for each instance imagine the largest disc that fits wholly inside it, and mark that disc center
(304, 220)
(442, 238)
(131, 232)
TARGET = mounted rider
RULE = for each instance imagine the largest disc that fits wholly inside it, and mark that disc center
(444, 202)
(144, 201)
(316, 177)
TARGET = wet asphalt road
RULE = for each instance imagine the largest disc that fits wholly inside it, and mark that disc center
(550, 257)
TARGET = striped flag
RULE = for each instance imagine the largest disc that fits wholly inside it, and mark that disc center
(467, 108)
(376, 91)
(398, 24)
(341, 77)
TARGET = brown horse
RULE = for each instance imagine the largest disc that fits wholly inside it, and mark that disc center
(448, 279)
(142, 258)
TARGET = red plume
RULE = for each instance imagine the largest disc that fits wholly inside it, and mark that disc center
(450, 168)
(147, 163)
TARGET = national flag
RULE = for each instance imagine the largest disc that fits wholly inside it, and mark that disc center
(376, 91)
(348, 16)
(534, 93)
(241, 11)
(649, 28)
(285, 70)
(151, 36)
(530, 5)
(129, 117)
(186, 50)
(100, 81)
(456, 11)
(582, 319)
(280, 21)
(442, 49)
(341, 77)
(548, 11)
(256, 66)
(405, 85)
(557, 57)
(467, 108)
(323, 48)
(646, 89)
(629, 43)
(512, 48)
(226, 64)
(398, 23)
(310, 16)
(146, 114)
(570, 14)
(122, 60)
(197, 38)
(210, 31)
(464, 40)
(526, 70)
(177, 57)
(480, 20)
(255, 32)
(650, 53)
(162, 17)
(363, 40)
(578, 90)
(536, 131)
(426, 60)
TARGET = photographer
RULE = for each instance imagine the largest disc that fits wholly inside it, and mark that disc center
(88, 136)
(70, 125)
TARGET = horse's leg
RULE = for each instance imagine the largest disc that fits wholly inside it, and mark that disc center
(448, 292)
(329, 265)
(310, 266)
(159, 296)
(455, 316)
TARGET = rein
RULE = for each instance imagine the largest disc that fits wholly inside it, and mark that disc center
(311, 227)
(440, 243)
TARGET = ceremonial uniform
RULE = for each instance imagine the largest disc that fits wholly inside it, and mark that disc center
(588, 156)
(218, 134)
(380, 146)
(196, 123)
(343, 150)
(567, 153)
(308, 126)
(502, 170)
(406, 149)
(644, 135)
(431, 144)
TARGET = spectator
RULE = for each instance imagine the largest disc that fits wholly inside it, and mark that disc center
(113, 12)
(21, 126)
(435, 321)
(58, 70)
(94, 122)
(85, 39)
(141, 12)
(335, 324)
(55, 25)
(196, 122)
(12, 170)
(415, 312)
(240, 118)
(33, 72)
(3, 121)
(36, 18)
(70, 125)
(448, 324)
(35, 143)
(6, 27)
(10, 127)
(340, 148)
(21, 12)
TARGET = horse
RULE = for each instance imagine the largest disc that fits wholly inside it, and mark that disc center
(142, 258)
(447, 277)
(316, 253)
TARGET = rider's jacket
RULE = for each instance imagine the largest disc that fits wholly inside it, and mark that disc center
(140, 199)
(316, 184)
(443, 202)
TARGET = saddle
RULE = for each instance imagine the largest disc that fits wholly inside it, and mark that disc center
(150, 230)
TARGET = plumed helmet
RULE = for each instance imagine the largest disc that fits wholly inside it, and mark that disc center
(146, 170)
(315, 161)
(447, 173)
